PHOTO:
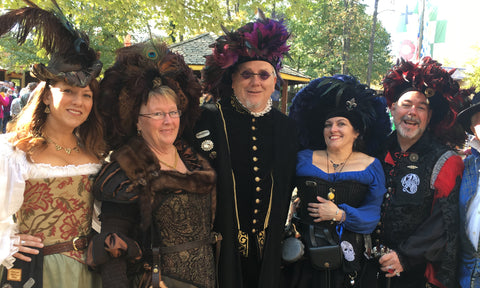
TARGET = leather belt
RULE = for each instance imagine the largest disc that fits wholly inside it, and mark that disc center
(212, 239)
(76, 244)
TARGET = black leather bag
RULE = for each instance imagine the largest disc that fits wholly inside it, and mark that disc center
(24, 274)
(324, 252)
(326, 257)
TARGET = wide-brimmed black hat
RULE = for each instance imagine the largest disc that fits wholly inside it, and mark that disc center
(465, 116)
(340, 96)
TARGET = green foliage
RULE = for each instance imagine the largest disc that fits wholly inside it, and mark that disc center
(473, 78)
(317, 28)
(318, 39)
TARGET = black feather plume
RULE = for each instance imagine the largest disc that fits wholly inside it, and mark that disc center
(55, 33)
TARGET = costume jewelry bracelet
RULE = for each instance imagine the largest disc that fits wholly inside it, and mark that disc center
(336, 213)
(343, 218)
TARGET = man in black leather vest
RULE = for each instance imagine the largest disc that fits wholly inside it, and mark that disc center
(419, 213)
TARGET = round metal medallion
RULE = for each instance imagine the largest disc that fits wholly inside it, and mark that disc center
(413, 157)
(207, 145)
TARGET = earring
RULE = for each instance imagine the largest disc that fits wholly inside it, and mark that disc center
(47, 110)
(139, 132)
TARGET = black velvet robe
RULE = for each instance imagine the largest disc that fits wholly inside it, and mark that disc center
(239, 159)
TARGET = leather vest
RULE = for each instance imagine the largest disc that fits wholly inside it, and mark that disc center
(409, 198)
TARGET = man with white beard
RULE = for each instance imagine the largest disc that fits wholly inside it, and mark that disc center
(417, 235)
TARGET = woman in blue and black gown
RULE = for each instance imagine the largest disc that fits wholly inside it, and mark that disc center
(340, 185)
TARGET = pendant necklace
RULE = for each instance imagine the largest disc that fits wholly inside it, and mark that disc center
(331, 190)
(58, 147)
(175, 162)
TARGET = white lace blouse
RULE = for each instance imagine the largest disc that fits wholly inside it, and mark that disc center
(15, 169)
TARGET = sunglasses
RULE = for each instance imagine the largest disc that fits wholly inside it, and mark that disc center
(264, 75)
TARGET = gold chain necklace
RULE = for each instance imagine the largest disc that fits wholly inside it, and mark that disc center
(175, 162)
(58, 147)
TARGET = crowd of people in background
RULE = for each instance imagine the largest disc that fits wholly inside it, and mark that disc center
(12, 101)
(131, 182)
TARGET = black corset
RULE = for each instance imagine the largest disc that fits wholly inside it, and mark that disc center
(346, 192)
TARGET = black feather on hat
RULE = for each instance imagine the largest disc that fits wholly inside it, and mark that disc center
(340, 95)
(71, 58)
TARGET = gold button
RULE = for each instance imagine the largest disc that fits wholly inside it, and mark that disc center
(389, 189)
(254, 221)
(254, 148)
(258, 189)
(378, 231)
(254, 128)
(255, 159)
(253, 231)
(257, 179)
(257, 201)
(255, 211)
(255, 168)
(379, 223)
(254, 138)
(253, 119)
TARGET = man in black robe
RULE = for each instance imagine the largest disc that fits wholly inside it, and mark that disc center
(252, 147)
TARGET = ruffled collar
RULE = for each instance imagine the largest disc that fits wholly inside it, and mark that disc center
(239, 107)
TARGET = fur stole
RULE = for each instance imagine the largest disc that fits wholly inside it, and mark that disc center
(150, 184)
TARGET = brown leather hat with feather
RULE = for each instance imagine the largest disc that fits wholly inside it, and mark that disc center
(71, 58)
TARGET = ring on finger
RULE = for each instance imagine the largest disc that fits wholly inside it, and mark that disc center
(22, 242)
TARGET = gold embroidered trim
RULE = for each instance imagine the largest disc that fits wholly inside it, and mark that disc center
(242, 243)
(242, 237)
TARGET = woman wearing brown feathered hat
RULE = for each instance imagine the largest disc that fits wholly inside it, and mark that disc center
(253, 149)
(52, 148)
(158, 195)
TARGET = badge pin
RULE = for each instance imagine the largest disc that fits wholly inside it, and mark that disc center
(213, 154)
(207, 145)
(413, 157)
(412, 167)
(14, 274)
(202, 134)
(30, 283)
(410, 183)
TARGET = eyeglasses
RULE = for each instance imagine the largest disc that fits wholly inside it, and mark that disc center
(264, 75)
(161, 115)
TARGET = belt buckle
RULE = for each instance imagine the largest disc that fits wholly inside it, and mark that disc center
(74, 245)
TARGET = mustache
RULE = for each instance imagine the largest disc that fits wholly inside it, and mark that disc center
(411, 119)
